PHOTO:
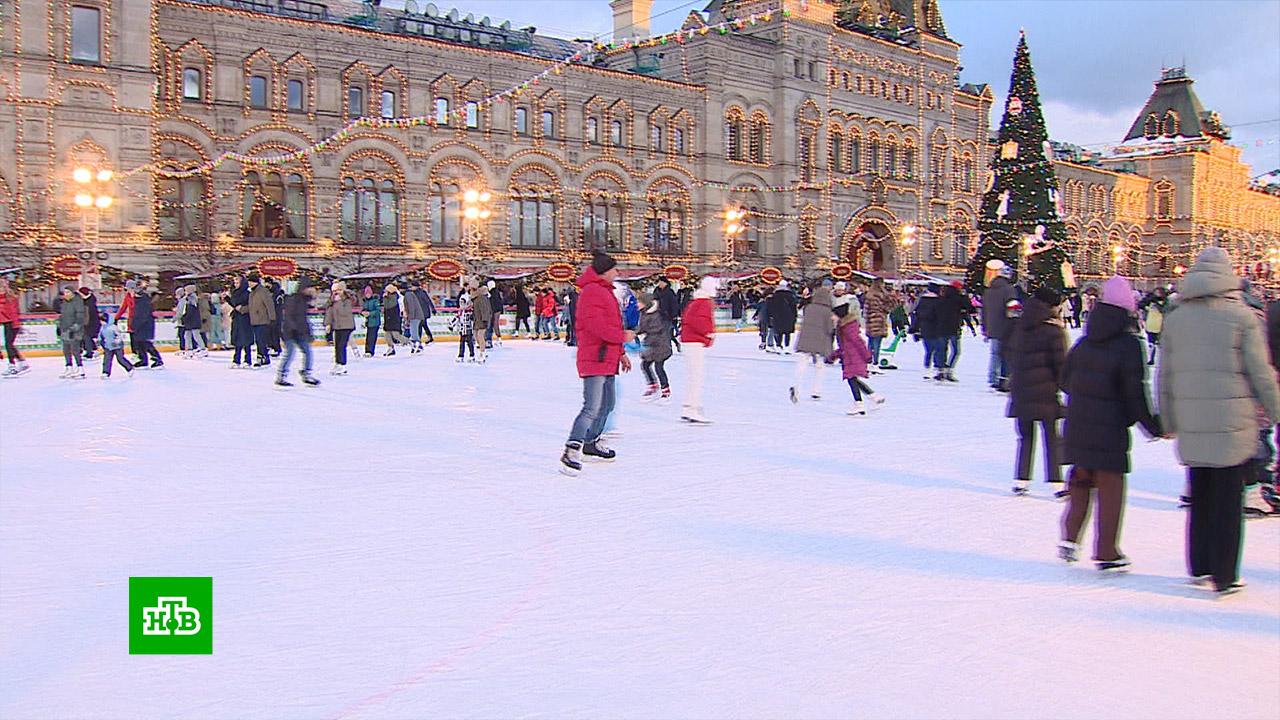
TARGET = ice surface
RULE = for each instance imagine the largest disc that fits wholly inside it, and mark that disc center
(398, 543)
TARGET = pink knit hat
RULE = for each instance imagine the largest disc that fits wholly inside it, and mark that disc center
(1117, 291)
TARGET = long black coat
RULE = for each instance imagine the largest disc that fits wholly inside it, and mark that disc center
(952, 308)
(668, 303)
(782, 311)
(92, 323)
(294, 323)
(241, 329)
(1037, 352)
(522, 302)
(737, 304)
(1105, 380)
(144, 318)
(924, 320)
(1273, 332)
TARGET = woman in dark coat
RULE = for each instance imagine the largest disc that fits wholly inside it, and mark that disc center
(92, 322)
(144, 329)
(782, 315)
(522, 310)
(241, 329)
(1037, 352)
(1105, 381)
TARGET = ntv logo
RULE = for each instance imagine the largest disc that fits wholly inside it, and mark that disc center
(171, 616)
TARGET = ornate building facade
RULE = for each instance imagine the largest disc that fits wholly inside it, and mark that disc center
(227, 124)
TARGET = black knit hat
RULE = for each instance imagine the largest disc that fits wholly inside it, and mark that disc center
(602, 263)
(1048, 296)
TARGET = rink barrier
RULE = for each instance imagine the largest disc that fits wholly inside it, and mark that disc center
(39, 338)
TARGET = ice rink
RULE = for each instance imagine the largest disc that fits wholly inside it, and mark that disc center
(398, 543)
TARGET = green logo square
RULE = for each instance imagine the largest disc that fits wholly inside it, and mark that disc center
(170, 616)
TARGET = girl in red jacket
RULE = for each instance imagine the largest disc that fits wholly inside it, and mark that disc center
(11, 322)
(854, 356)
(697, 332)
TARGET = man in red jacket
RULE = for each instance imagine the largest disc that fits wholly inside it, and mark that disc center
(598, 326)
(11, 323)
(126, 311)
(697, 332)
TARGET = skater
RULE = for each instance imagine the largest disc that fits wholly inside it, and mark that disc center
(994, 325)
(1106, 386)
(275, 330)
(655, 332)
(925, 324)
(144, 329)
(782, 317)
(854, 355)
(737, 307)
(762, 321)
(547, 312)
(1037, 351)
(372, 311)
(208, 316)
(877, 305)
(112, 347)
(698, 329)
(428, 310)
(339, 319)
(521, 300)
(571, 309)
(241, 327)
(466, 320)
(92, 323)
(598, 329)
(296, 333)
(262, 316)
(71, 322)
(189, 320)
(1213, 372)
(391, 318)
(482, 313)
(953, 309)
(1154, 305)
(414, 317)
(11, 323)
(813, 345)
(225, 311)
(125, 311)
(669, 307)
(492, 331)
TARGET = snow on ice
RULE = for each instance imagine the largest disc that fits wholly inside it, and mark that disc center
(398, 543)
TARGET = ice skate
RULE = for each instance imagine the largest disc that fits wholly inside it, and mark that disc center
(665, 398)
(340, 370)
(1020, 487)
(598, 451)
(13, 371)
(571, 459)
(876, 402)
(1272, 497)
(930, 375)
(308, 379)
(858, 410)
(66, 373)
(949, 375)
(157, 366)
(650, 394)
(1060, 492)
(794, 398)
(694, 417)
(282, 384)
(815, 396)
(1119, 565)
(1068, 551)
(1255, 505)
(104, 376)
(1231, 589)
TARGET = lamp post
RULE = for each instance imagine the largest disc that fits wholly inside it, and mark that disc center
(93, 195)
(906, 240)
(475, 210)
(735, 224)
(1117, 257)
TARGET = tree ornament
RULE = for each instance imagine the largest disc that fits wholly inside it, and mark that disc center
(991, 181)
(1003, 209)
(1048, 150)
(1009, 150)
(1015, 105)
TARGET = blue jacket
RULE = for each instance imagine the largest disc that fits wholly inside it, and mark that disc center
(109, 337)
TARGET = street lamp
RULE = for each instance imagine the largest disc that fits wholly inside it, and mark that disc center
(475, 210)
(735, 224)
(93, 195)
(1117, 257)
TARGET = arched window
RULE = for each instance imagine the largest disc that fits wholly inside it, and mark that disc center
(805, 157)
(733, 134)
(522, 121)
(961, 236)
(192, 86)
(677, 140)
(1171, 123)
(855, 151)
(615, 133)
(446, 213)
(908, 158)
(388, 104)
(442, 111)
(258, 91)
(533, 217)
(1151, 127)
(873, 153)
(1164, 199)
(370, 211)
(603, 222)
(180, 210)
(664, 224)
(593, 131)
(966, 173)
(891, 158)
(355, 101)
(835, 152)
(275, 207)
(296, 96)
(759, 132)
(655, 138)
(473, 114)
(548, 124)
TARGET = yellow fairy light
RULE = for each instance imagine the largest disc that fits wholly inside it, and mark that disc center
(84, 200)
(82, 175)
(103, 202)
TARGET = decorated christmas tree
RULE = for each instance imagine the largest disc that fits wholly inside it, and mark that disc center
(1019, 223)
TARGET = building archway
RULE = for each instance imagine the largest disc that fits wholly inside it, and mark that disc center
(869, 247)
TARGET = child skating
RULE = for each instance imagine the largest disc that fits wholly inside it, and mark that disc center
(854, 355)
(655, 330)
(112, 347)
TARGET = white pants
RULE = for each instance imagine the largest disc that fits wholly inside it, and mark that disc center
(809, 364)
(695, 358)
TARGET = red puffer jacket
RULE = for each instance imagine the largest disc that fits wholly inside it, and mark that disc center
(698, 324)
(9, 309)
(598, 326)
(547, 305)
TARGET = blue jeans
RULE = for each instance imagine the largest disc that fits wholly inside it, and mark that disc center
(292, 346)
(997, 368)
(598, 396)
(873, 344)
(951, 351)
(260, 336)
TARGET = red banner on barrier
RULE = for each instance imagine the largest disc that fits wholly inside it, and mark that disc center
(444, 269)
(278, 267)
(771, 275)
(561, 271)
(676, 272)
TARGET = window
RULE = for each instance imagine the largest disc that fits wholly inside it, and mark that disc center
(906, 95)
(813, 70)
(355, 101)
(446, 213)
(855, 152)
(1151, 128)
(857, 84)
(751, 240)
(1164, 199)
(909, 161)
(370, 211)
(835, 159)
(275, 207)
(593, 130)
(192, 88)
(664, 226)
(533, 220)
(295, 95)
(655, 138)
(1171, 123)
(891, 159)
(799, 68)
(960, 238)
(806, 159)
(442, 111)
(966, 174)
(522, 121)
(873, 154)
(86, 34)
(603, 223)
(179, 220)
(548, 124)
(388, 104)
(733, 137)
(473, 114)
(677, 140)
(615, 133)
(258, 91)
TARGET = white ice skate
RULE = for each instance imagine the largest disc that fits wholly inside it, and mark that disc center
(876, 402)
(695, 417)
(858, 409)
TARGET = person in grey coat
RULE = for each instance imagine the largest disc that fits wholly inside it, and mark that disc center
(71, 322)
(994, 325)
(414, 318)
(655, 331)
(1214, 373)
(813, 344)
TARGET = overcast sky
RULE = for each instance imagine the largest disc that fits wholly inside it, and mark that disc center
(1095, 60)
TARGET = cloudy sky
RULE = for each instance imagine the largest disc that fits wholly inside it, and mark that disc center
(1095, 60)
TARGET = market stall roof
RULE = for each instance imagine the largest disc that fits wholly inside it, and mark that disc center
(515, 273)
(224, 270)
(387, 271)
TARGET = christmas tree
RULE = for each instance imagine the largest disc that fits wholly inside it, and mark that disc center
(1019, 219)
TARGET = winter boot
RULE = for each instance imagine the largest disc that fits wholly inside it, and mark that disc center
(571, 459)
(1068, 551)
(598, 451)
